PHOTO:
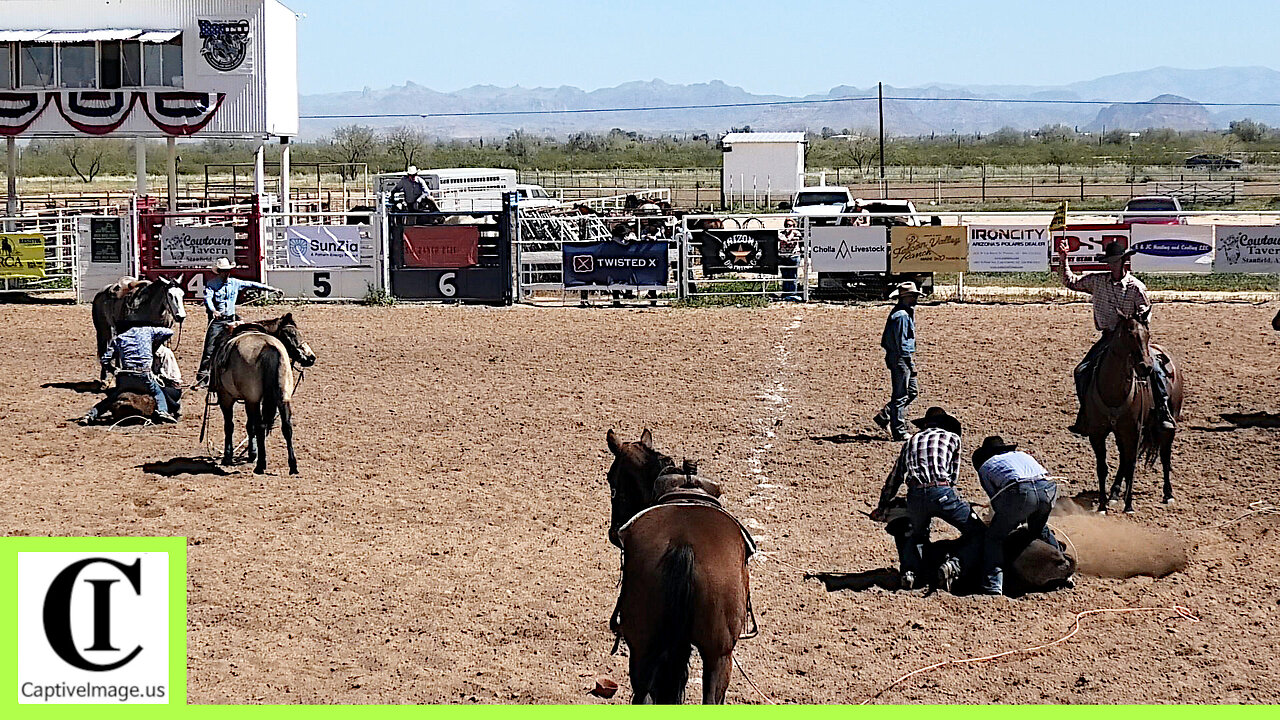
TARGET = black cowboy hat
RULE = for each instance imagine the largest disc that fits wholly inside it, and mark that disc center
(1115, 251)
(991, 446)
(939, 418)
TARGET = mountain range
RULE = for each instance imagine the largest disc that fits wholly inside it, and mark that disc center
(841, 107)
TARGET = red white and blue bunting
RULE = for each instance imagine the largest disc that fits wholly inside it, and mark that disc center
(102, 112)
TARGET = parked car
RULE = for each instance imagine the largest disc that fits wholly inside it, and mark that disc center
(1212, 161)
(535, 197)
(870, 285)
(1134, 210)
(821, 203)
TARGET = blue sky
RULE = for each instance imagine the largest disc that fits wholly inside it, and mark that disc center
(788, 48)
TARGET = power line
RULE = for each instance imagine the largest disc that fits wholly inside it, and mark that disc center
(776, 103)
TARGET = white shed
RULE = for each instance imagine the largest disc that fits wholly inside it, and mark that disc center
(761, 168)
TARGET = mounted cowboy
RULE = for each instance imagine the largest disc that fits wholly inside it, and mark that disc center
(1116, 295)
(220, 296)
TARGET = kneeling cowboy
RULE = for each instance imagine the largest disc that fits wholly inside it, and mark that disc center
(1020, 492)
(135, 351)
(220, 296)
(930, 465)
(1115, 293)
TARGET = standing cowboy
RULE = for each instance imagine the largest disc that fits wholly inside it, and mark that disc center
(929, 464)
(1020, 492)
(899, 343)
(220, 296)
(409, 190)
(134, 349)
(1116, 293)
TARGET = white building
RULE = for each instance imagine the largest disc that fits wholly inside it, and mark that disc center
(761, 168)
(148, 69)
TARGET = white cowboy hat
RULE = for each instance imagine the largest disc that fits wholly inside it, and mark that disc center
(222, 265)
(905, 288)
(413, 170)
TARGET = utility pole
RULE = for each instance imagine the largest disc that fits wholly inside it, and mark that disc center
(884, 190)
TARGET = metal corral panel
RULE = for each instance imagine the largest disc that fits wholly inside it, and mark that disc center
(261, 91)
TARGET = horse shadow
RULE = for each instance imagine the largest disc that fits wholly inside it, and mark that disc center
(183, 466)
(84, 387)
(1243, 421)
(845, 438)
(883, 578)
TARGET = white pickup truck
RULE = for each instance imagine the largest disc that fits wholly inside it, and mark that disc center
(822, 203)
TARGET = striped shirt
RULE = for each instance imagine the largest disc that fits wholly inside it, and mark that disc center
(930, 457)
(1111, 298)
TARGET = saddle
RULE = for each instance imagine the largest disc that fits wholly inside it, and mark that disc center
(125, 286)
(678, 488)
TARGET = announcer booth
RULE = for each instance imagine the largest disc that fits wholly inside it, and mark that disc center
(152, 70)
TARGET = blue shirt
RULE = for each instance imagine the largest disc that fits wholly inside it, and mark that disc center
(1007, 468)
(899, 337)
(220, 295)
(135, 348)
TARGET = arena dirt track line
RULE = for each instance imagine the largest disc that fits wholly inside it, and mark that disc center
(445, 541)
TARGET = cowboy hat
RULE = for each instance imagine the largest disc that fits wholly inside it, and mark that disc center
(222, 265)
(939, 418)
(413, 170)
(904, 288)
(991, 446)
(1115, 252)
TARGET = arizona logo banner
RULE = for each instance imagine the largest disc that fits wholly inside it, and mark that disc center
(727, 251)
(22, 255)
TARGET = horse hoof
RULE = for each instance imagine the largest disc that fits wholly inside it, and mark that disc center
(1130, 511)
(293, 471)
(1168, 501)
(260, 470)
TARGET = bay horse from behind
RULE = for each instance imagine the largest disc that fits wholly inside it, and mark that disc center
(1119, 401)
(256, 366)
(131, 303)
(684, 573)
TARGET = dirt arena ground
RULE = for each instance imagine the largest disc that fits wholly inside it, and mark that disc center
(445, 541)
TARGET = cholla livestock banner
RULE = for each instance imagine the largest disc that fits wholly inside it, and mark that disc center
(1008, 248)
(324, 245)
(21, 255)
(849, 249)
(195, 247)
(1172, 248)
(931, 248)
(1248, 249)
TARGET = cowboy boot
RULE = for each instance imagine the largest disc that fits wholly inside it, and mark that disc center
(1164, 417)
(1078, 426)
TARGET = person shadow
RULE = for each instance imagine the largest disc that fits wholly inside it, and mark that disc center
(883, 578)
(845, 438)
(84, 387)
(1243, 421)
(183, 466)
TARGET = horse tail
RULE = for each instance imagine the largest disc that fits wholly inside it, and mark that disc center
(675, 635)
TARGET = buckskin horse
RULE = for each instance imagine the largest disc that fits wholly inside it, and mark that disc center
(130, 303)
(255, 365)
(684, 573)
(1119, 401)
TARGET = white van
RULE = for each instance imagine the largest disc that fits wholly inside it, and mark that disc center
(459, 189)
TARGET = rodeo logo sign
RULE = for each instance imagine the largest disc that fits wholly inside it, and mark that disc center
(226, 44)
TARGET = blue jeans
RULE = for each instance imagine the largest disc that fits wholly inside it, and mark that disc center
(924, 504)
(902, 374)
(789, 267)
(140, 383)
(1024, 502)
(215, 332)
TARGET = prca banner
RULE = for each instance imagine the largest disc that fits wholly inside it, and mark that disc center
(21, 255)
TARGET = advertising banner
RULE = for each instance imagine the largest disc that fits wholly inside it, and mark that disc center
(849, 249)
(226, 46)
(441, 246)
(605, 265)
(1248, 249)
(726, 251)
(195, 247)
(1172, 248)
(932, 248)
(1084, 245)
(1008, 248)
(22, 255)
(105, 240)
(324, 245)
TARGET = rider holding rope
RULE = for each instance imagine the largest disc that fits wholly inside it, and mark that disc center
(220, 296)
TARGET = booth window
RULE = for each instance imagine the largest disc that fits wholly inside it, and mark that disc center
(162, 63)
(121, 64)
(35, 66)
(79, 64)
(6, 66)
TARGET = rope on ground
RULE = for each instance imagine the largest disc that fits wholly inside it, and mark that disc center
(1058, 531)
(784, 563)
(752, 683)
(1075, 628)
(1258, 507)
(120, 425)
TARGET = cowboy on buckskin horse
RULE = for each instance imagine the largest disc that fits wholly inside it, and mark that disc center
(220, 296)
(1116, 295)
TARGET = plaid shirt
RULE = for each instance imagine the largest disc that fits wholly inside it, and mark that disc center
(930, 457)
(1111, 298)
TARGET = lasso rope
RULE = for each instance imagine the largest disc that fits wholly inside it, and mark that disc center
(734, 658)
(1258, 507)
(1075, 628)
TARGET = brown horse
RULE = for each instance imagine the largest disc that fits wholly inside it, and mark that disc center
(684, 574)
(130, 303)
(256, 366)
(1119, 401)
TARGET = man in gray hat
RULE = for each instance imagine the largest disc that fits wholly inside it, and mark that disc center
(899, 343)
(220, 296)
(1115, 293)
